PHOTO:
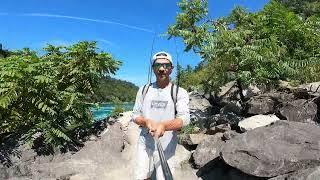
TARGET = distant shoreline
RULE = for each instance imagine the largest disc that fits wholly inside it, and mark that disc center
(110, 103)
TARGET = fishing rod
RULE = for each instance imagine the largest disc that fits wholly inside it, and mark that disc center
(150, 63)
(178, 71)
(164, 164)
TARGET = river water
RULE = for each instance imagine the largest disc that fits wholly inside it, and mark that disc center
(105, 109)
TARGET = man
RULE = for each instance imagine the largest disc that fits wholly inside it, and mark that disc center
(158, 116)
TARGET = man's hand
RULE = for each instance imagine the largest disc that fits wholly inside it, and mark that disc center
(160, 130)
(151, 125)
(156, 129)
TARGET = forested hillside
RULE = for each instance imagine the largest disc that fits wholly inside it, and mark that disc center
(111, 89)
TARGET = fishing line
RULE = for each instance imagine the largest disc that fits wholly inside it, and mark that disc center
(177, 56)
(150, 63)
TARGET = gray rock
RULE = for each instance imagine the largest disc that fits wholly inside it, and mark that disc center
(280, 96)
(251, 91)
(228, 118)
(300, 110)
(234, 107)
(3, 173)
(208, 150)
(274, 150)
(182, 157)
(305, 174)
(93, 159)
(219, 128)
(260, 105)
(192, 139)
(200, 110)
(257, 121)
(198, 102)
(229, 135)
(313, 88)
(227, 88)
(221, 171)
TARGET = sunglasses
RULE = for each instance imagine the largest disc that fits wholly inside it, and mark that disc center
(164, 65)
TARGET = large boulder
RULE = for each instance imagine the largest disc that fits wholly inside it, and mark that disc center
(200, 109)
(222, 171)
(261, 105)
(274, 150)
(257, 121)
(313, 88)
(208, 150)
(228, 118)
(305, 174)
(281, 97)
(300, 110)
(192, 139)
(230, 92)
(93, 160)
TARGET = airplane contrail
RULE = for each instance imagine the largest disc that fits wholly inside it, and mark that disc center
(82, 19)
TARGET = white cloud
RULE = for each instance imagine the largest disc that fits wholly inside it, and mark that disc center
(57, 42)
(86, 19)
(106, 42)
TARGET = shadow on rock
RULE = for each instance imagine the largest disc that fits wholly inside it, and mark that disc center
(8, 147)
(217, 169)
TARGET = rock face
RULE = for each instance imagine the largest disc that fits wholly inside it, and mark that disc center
(313, 88)
(305, 174)
(300, 110)
(277, 149)
(257, 121)
(229, 118)
(208, 150)
(93, 160)
(200, 109)
(192, 139)
(261, 105)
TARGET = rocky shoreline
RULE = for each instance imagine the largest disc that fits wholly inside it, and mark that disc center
(272, 135)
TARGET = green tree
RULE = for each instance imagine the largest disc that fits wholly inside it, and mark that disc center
(304, 8)
(259, 48)
(109, 88)
(46, 94)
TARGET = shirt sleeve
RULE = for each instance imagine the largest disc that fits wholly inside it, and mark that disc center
(137, 108)
(183, 106)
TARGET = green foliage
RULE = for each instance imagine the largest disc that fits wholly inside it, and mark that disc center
(118, 108)
(259, 48)
(305, 8)
(190, 78)
(189, 129)
(45, 94)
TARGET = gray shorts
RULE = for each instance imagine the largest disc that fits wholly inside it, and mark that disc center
(147, 159)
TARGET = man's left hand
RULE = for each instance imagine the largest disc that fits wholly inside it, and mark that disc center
(160, 129)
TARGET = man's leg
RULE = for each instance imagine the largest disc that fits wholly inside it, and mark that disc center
(158, 167)
(144, 163)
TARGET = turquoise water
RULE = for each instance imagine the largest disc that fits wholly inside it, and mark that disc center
(105, 110)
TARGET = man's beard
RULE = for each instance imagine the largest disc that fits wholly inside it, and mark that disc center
(162, 76)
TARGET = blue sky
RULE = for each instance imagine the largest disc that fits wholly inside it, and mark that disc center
(123, 28)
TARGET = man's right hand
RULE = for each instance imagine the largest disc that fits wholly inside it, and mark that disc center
(151, 125)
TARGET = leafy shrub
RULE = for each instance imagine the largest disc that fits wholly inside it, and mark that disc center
(118, 108)
(45, 94)
(189, 129)
(252, 48)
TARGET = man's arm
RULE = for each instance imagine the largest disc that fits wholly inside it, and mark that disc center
(173, 125)
(158, 128)
(141, 121)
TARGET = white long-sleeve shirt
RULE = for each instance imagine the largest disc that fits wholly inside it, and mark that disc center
(159, 106)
